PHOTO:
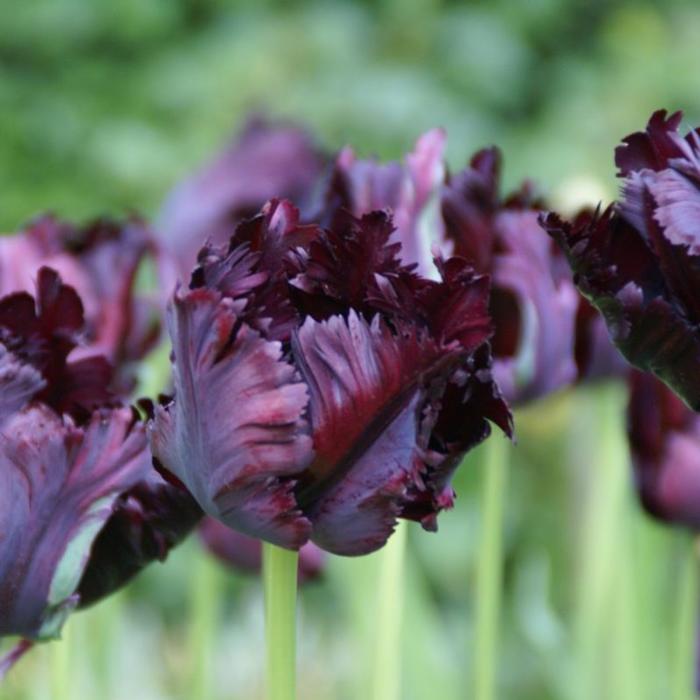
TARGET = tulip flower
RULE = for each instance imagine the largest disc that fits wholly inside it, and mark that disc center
(243, 553)
(266, 160)
(637, 261)
(546, 336)
(100, 261)
(664, 439)
(323, 389)
(72, 460)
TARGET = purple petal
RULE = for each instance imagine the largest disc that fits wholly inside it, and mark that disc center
(344, 266)
(100, 261)
(665, 442)
(368, 389)
(19, 382)
(44, 334)
(543, 360)
(405, 190)
(235, 435)
(650, 149)
(471, 399)
(146, 523)
(60, 482)
(265, 161)
(253, 267)
(620, 275)
(678, 210)
(470, 200)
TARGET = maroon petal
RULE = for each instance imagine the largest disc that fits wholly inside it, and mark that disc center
(122, 324)
(368, 391)
(665, 442)
(404, 190)
(620, 274)
(44, 334)
(19, 382)
(471, 399)
(267, 160)
(235, 435)
(253, 266)
(345, 264)
(146, 523)
(534, 302)
(60, 482)
(665, 208)
(470, 200)
(100, 261)
(543, 359)
(653, 148)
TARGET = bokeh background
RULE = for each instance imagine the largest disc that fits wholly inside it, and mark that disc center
(105, 105)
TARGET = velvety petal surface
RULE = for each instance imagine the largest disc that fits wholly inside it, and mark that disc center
(235, 435)
(665, 443)
(43, 333)
(534, 302)
(405, 190)
(19, 382)
(369, 408)
(266, 160)
(147, 521)
(620, 274)
(59, 484)
(100, 261)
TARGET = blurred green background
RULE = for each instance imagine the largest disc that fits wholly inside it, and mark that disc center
(105, 105)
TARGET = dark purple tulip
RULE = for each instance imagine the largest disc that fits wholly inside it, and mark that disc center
(637, 261)
(244, 553)
(534, 303)
(545, 336)
(266, 160)
(322, 388)
(100, 261)
(72, 463)
(664, 438)
(406, 190)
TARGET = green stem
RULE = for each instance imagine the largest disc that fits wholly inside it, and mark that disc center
(59, 665)
(389, 612)
(280, 586)
(205, 599)
(604, 472)
(490, 567)
(683, 660)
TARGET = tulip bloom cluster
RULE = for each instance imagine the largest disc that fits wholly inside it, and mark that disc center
(637, 262)
(83, 508)
(334, 357)
(322, 387)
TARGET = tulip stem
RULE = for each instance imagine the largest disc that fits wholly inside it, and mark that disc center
(280, 587)
(604, 535)
(59, 666)
(684, 651)
(205, 608)
(490, 566)
(389, 612)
